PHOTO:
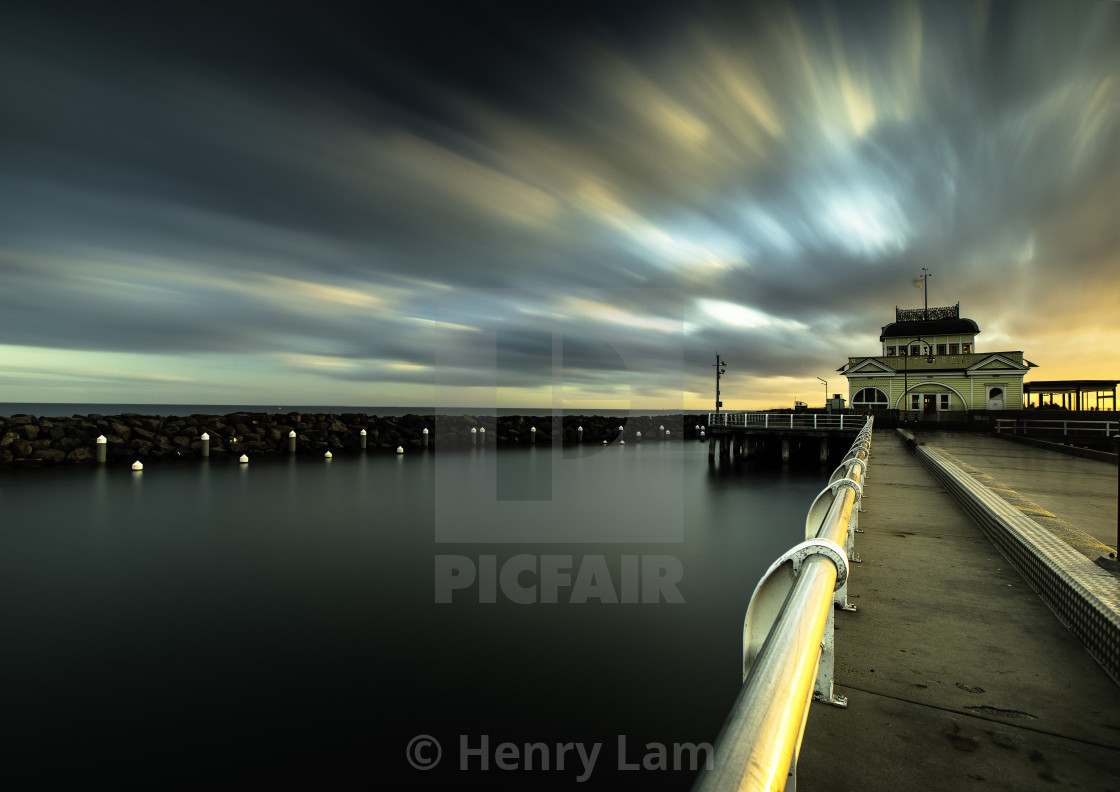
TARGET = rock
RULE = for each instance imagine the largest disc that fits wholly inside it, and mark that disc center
(81, 455)
(21, 449)
(50, 455)
(8, 438)
(29, 431)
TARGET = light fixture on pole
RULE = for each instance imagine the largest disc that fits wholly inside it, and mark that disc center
(721, 368)
(825, 391)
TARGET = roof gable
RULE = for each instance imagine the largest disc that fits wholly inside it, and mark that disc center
(869, 367)
(996, 363)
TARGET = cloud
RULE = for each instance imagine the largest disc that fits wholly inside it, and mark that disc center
(343, 197)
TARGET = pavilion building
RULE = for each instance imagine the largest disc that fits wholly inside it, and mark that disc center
(929, 364)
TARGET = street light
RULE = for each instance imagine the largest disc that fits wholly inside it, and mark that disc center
(825, 392)
(906, 367)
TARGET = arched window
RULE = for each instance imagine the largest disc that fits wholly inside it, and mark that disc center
(869, 397)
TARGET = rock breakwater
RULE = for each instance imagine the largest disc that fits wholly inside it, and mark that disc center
(28, 440)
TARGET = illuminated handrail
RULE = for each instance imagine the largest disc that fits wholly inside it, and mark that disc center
(789, 664)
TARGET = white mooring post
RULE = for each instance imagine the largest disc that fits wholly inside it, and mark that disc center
(579, 434)
(532, 435)
(328, 455)
(638, 436)
(362, 439)
(137, 466)
(667, 433)
(205, 444)
(292, 441)
(424, 435)
(661, 432)
(102, 446)
(482, 436)
(474, 436)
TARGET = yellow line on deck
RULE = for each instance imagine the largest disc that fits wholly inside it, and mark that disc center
(1040, 512)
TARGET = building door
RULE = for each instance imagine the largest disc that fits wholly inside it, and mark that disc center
(929, 403)
(995, 399)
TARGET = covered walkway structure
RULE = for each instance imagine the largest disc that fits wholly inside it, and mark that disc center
(1075, 394)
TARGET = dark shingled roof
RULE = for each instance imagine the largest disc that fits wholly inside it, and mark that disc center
(931, 327)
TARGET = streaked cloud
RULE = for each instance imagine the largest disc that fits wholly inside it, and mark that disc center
(321, 210)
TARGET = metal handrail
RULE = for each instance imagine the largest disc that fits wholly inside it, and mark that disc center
(1107, 428)
(757, 748)
(787, 420)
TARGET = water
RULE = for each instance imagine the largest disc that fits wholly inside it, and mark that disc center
(234, 625)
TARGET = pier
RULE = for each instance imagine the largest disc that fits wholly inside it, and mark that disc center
(962, 669)
(747, 434)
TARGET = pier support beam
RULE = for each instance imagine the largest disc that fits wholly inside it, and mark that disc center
(785, 450)
(824, 450)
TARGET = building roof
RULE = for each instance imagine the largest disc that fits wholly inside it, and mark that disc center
(929, 327)
(1068, 386)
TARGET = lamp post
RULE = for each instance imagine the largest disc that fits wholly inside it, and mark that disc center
(721, 368)
(825, 392)
(906, 368)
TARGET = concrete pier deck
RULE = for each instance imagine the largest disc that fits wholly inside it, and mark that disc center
(958, 675)
(1079, 492)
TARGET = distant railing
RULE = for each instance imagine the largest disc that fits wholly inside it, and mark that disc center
(1056, 427)
(788, 649)
(787, 420)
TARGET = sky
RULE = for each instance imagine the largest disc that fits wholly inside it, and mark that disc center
(531, 204)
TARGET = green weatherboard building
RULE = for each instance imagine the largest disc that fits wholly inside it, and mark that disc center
(929, 364)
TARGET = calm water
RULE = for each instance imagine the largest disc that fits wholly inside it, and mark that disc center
(226, 625)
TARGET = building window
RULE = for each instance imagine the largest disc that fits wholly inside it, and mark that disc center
(944, 398)
(915, 350)
(954, 349)
(902, 351)
(890, 351)
(915, 401)
(943, 349)
(870, 397)
(966, 349)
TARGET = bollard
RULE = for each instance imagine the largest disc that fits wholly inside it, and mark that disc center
(661, 432)
(425, 437)
(532, 435)
(137, 466)
(638, 437)
(474, 436)
(482, 436)
(667, 434)
(579, 434)
(244, 459)
(205, 444)
(400, 449)
(102, 446)
(292, 441)
(362, 439)
(328, 455)
(697, 428)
